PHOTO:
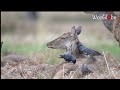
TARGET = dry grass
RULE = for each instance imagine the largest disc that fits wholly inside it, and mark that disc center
(32, 69)
(107, 68)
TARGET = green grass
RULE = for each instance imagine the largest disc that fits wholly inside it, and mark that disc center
(51, 55)
(24, 49)
(113, 49)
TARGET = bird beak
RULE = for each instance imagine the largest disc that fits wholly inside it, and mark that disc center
(60, 56)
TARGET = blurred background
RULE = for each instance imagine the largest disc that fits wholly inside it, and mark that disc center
(28, 32)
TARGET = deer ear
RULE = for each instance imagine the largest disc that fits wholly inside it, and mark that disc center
(78, 30)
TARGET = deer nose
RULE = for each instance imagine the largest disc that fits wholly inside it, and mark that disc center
(50, 47)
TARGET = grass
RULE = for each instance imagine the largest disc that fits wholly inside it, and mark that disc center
(113, 49)
(25, 49)
(50, 56)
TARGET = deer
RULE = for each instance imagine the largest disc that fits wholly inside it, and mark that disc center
(68, 41)
(116, 29)
(112, 25)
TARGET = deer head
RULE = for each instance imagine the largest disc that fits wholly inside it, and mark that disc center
(65, 39)
(60, 42)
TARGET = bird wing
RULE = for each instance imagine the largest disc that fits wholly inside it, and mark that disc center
(88, 51)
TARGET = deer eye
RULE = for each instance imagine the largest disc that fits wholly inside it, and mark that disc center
(62, 38)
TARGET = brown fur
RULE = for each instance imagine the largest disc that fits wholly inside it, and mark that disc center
(66, 41)
(116, 29)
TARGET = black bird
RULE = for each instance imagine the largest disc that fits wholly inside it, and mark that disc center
(69, 58)
(86, 51)
(78, 30)
(85, 70)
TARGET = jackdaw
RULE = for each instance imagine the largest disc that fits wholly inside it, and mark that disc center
(68, 58)
(85, 70)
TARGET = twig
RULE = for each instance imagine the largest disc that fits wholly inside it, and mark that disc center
(70, 74)
(106, 62)
(63, 71)
(74, 73)
(114, 60)
(113, 73)
(22, 72)
(57, 67)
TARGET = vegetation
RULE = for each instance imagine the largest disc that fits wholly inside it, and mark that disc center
(19, 39)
